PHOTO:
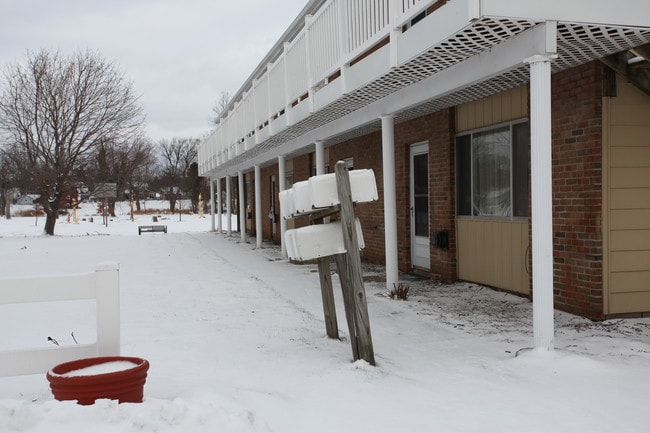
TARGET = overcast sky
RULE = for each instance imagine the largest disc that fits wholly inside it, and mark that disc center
(180, 54)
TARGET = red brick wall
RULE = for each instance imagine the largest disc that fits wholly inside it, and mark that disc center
(577, 189)
(301, 171)
(437, 129)
(265, 174)
(366, 152)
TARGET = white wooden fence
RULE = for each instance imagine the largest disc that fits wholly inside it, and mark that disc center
(101, 285)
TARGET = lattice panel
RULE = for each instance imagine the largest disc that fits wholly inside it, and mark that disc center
(577, 44)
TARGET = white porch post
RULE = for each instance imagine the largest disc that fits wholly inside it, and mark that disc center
(541, 200)
(228, 206)
(211, 204)
(390, 199)
(258, 206)
(320, 158)
(242, 210)
(282, 186)
(219, 207)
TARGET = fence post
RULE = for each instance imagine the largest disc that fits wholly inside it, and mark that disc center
(108, 308)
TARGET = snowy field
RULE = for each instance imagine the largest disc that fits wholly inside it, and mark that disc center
(236, 341)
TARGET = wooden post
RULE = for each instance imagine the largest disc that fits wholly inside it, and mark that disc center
(329, 309)
(327, 292)
(350, 240)
(348, 302)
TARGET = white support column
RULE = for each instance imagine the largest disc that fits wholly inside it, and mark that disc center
(228, 206)
(320, 158)
(258, 206)
(219, 207)
(212, 205)
(242, 210)
(390, 199)
(283, 185)
(541, 200)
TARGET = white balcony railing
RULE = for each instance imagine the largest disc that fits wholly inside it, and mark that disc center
(282, 92)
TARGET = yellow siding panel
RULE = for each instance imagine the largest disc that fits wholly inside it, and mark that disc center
(630, 156)
(629, 177)
(629, 135)
(629, 219)
(629, 240)
(629, 261)
(626, 282)
(621, 303)
(494, 253)
(503, 107)
(630, 115)
(629, 198)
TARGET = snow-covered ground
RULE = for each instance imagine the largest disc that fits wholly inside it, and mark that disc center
(236, 341)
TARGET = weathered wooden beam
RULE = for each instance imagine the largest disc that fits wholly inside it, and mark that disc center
(350, 240)
(348, 302)
(318, 216)
(327, 293)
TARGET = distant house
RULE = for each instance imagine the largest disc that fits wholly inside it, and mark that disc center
(25, 200)
(510, 140)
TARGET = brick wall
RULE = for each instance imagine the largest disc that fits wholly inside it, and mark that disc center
(577, 189)
(437, 129)
(366, 152)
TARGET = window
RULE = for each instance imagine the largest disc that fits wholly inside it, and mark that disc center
(492, 172)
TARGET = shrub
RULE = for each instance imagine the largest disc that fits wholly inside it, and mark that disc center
(401, 291)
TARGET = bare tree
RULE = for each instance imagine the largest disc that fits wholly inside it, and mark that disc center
(57, 110)
(220, 105)
(6, 183)
(177, 156)
(123, 164)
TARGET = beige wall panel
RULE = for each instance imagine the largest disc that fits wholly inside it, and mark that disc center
(497, 107)
(629, 302)
(626, 282)
(628, 94)
(629, 177)
(630, 156)
(493, 253)
(630, 115)
(629, 240)
(503, 107)
(629, 219)
(626, 261)
(629, 198)
(630, 135)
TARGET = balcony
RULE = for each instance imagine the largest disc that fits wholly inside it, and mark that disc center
(342, 63)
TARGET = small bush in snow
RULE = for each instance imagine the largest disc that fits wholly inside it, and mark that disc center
(400, 291)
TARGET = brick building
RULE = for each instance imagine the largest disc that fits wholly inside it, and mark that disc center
(502, 125)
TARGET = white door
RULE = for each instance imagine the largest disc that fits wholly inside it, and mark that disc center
(419, 191)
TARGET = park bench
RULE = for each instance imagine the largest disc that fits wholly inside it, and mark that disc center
(151, 229)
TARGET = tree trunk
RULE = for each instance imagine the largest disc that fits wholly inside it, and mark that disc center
(7, 204)
(50, 221)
